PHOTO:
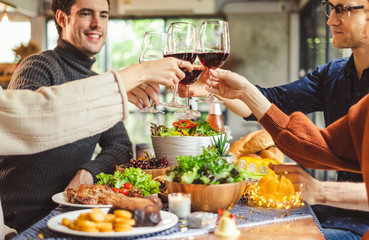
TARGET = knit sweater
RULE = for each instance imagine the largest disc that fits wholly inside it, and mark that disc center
(27, 182)
(344, 145)
(26, 127)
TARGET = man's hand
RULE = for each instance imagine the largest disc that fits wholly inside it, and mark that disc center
(82, 177)
(140, 96)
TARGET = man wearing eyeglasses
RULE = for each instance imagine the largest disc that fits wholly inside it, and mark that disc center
(332, 88)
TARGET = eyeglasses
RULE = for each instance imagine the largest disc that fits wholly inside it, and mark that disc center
(342, 11)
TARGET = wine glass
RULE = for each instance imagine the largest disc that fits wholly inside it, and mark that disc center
(191, 77)
(152, 49)
(181, 44)
(214, 48)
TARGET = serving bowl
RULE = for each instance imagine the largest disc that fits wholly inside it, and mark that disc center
(210, 198)
(173, 146)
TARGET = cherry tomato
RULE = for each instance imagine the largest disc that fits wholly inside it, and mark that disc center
(115, 189)
(128, 185)
(124, 191)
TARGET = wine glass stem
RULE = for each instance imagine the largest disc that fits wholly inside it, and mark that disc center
(188, 98)
(210, 89)
(174, 98)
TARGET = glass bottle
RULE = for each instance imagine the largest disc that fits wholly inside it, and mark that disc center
(215, 117)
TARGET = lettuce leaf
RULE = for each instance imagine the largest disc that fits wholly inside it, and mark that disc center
(207, 168)
(135, 176)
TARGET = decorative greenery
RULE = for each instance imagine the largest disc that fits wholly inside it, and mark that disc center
(220, 143)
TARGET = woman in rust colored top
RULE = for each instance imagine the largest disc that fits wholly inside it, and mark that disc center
(344, 144)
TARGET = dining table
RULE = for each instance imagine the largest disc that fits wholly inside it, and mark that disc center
(252, 221)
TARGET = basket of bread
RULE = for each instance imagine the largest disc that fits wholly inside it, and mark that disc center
(255, 151)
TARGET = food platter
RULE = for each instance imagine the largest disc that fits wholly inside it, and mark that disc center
(61, 198)
(168, 220)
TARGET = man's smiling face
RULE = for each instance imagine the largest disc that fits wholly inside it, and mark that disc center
(86, 26)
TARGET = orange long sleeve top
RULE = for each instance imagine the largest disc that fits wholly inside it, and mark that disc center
(344, 145)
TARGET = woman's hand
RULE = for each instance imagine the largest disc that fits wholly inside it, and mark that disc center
(231, 85)
(165, 71)
(198, 89)
(227, 84)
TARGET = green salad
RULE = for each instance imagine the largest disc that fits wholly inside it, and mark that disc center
(135, 176)
(184, 128)
(207, 168)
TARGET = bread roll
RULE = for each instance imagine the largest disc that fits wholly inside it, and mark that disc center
(273, 153)
(253, 155)
(252, 143)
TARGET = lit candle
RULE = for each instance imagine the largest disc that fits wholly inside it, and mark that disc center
(180, 204)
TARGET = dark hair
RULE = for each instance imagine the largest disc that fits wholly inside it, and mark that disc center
(65, 6)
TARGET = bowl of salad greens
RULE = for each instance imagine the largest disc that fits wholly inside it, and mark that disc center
(142, 183)
(184, 137)
(212, 182)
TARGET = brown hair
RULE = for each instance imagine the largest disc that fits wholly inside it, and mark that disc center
(64, 6)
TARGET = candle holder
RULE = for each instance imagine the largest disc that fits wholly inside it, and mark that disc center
(180, 204)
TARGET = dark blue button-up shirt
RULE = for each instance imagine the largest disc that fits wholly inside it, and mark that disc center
(332, 88)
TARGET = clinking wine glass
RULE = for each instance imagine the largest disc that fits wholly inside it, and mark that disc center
(191, 77)
(152, 49)
(214, 47)
(181, 44)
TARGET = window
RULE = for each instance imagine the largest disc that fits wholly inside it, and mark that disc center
(13, 39)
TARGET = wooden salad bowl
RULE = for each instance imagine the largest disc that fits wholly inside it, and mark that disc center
(153, 172)
(210, 198)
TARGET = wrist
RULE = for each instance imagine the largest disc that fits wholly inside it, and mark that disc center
(320, 193)
(132, 76)
(255, 100)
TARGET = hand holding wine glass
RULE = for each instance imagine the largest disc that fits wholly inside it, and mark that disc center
(191, 77)
(152, 49)
(214, 47)
(181, 44)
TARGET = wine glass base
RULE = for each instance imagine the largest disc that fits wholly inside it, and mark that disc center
(187, 114)
(151, 110)
(209, 99)
(173, 105)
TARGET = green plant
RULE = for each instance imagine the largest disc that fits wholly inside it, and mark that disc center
(220, 143)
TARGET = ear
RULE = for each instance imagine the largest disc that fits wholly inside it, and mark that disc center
(61, 18)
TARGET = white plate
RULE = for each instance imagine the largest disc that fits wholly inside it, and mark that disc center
(168, 220)
(61, 198)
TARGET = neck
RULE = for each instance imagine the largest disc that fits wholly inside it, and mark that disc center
(361, 58)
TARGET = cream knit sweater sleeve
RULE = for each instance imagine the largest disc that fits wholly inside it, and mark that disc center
(34, 121)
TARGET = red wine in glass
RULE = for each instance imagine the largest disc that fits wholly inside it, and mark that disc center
(181, 44)
(183, 56)
(190, 77)
(213, 60)
(213, 49)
